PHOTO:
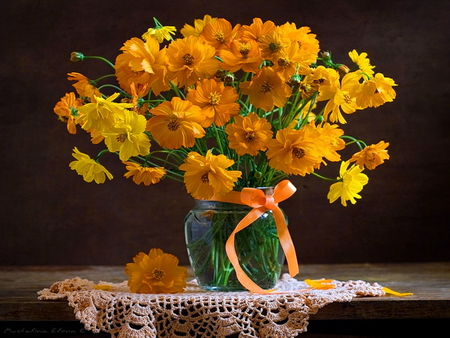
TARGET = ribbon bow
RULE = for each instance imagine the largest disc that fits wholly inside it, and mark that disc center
(260, 202)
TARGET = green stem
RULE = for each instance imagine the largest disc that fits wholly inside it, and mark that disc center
(100, 58)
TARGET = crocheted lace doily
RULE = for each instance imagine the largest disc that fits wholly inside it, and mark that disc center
(197, 313)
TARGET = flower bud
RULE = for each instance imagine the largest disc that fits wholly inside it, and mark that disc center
(76, 56)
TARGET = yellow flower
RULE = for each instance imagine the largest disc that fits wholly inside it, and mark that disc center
(89, 168)
(351, 182)
(160, 33)
(307, 42)
(220, 33)
(267, 89)
(199, 25)
(218, 102)
(257, 29)
(146, 175)
(362, 62)
(128, 137)
(84, 86)
(249, 134)
(373, 92)
(191, 59)
(156, 272)
(67, 110)
(206, 176)
(176, 123)
(103, 113)
(294, 151)
(371, 156)
(142, 63)
(330, 140)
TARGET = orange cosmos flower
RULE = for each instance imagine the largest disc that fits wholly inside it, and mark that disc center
(84, 86)
(244, 55)
(267, 89)
(220, 33)
(218, 102)
(67, 110)
(142, 63)
(156, 272)
(199, 24)
(206, 176)
(307, 42)
(191, 59)
(176, 124)
(146, 175)
(294, 152)
(373, 92)
(272, 44)
(371, 156)
(329, 140)
(257, 29)
(249, 134)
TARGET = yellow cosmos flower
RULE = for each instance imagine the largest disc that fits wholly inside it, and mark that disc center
(362, 62)
(191, 59)
(267, 89)
(329, 136)
(142, 63)
(128, 137)
(146, 175)
(294, 152)
(371, 156)
(89, 168)
(220, 33)
(244, 55)
(206, 176)
(199, 25)
(257, 29)
(176, 124)
(67, 110)
(249, 134)
(218, 103)
(156, 272)
(102, 114)
(273, 44)
(351, 182)
(160, 33)
(84, 86)
(373, 92)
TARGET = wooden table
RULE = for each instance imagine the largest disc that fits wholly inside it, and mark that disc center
(425, 312)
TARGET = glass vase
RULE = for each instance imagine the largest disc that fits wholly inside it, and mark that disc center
(207, 228)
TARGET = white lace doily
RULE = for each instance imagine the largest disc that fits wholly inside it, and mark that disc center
(197, 313)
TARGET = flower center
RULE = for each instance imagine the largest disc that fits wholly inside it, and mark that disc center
(214, 98)
(298, 152)
(219, 36)
(284, 62)
(158, 274)
(250, 136)
(173, 125)
(274, 47)
(188, 59)
(266, 87)
(244, 49)
(205, 178)
(121, 138)
(347, 98)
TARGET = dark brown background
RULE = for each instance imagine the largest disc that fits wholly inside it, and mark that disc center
(49, 215)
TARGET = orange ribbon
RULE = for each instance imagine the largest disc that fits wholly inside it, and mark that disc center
(260, 202)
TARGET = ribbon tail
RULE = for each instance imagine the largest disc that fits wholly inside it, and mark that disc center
(246, 281)
(286, 241)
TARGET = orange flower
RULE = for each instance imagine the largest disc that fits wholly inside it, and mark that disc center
(273, 44)
(371, 156)
(142, 63)
(218, 102)
(257, 29)
(191, 59)
(136, 97)
(199, 24)
(329, 136)
(146, 175)
(307, 42)
(267, 89)
(220, 33)
(67, 110)
(294, 152)
(84, 86)
(244, 55)
(249, 134)
(176, 124)
(156, 272)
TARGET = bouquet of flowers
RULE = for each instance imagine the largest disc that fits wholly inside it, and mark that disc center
(225, 107)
